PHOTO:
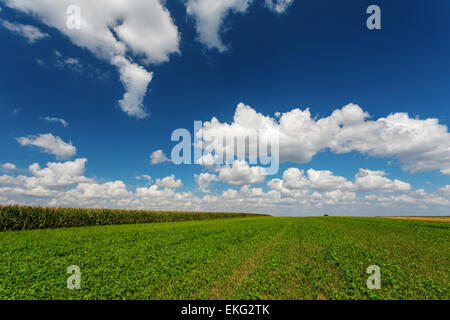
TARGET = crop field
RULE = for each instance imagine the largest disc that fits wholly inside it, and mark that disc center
(15, 218)
(237, 258)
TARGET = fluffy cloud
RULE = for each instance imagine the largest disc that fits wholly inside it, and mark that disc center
(113, 190)
(50, 144)
(158, 157)
(143, 27)
(31, 33)
(46, 182)
(279, 6)
(230, 194)
(324, 180)
(367, 180)
(112, 29)
(339, 197)
(169, 182)
(419, 145)
(240, 173)
(152, 192)
(135, 79)
(208, 160)
(416, 199)
(53, 119)
(209, 16)
(8, 166)
(204, 181)
(294, 178)
(64, 184)
(60, 174)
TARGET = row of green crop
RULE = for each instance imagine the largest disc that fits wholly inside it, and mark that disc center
(13, 218)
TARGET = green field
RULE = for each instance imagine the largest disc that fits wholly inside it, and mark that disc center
(242, 258)
(17, 218)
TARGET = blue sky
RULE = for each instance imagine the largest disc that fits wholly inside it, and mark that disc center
(314, 54)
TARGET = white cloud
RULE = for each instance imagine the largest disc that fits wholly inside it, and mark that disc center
(251, 192)
(338, 196)
(46, 182)
(158, 157)
(208, 160)
(31, 33)
(324, 180)
(9, 166)
(209, 16)
(294, 178)
(169, 182)
(112, 190)
(279, 6)
(111, 30)
(240, 173)
(143, 27)
(64, 184)
(135, 79)
(52, 119)
(144, 177)
(367, 180)
(445, 190)
(58, 174)
(153, 192)
(50, 144)
(229, 194)
(204, 181)
(419, 145)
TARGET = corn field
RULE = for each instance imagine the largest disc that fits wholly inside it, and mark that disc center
(15, 218)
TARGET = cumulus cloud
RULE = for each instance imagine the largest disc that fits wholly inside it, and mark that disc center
(53, 119)
(230, 194)
(50, 144)
(367, 180)
(325, 180)
(209, 16)
(419, 145)
(339, 196)
(169, 182)
(113, 190)
(31, 33)
(204, 181)
(240, 173)
(59, 174)
(64, 184)
(9, 166)
(46, 182)
(158, 157)
(111, 30)
(279, 6)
